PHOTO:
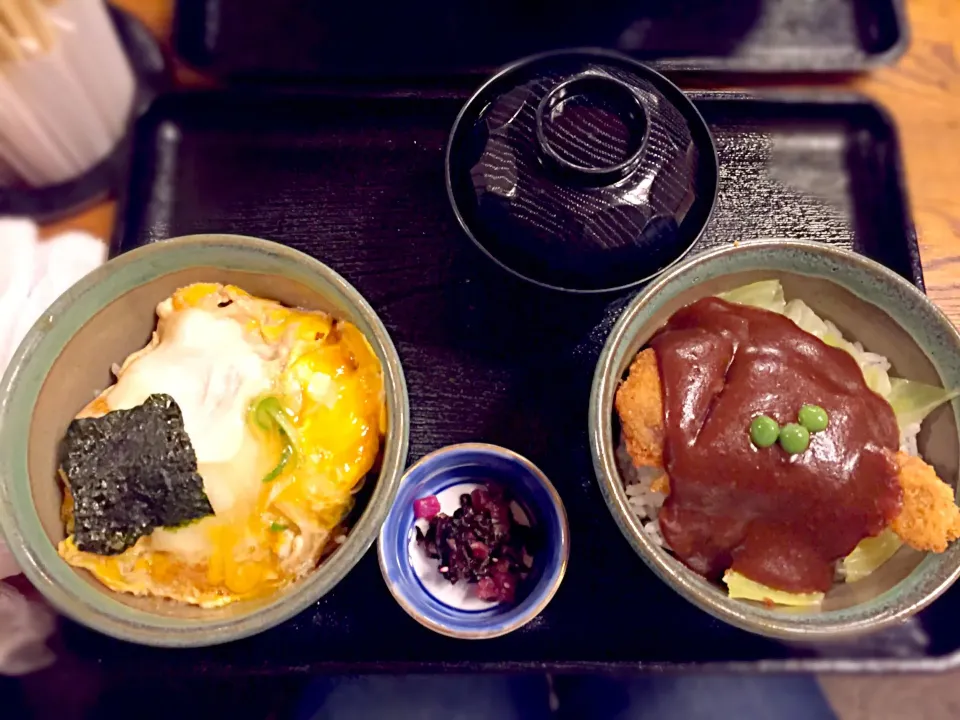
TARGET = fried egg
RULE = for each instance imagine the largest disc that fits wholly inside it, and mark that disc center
(280, 494)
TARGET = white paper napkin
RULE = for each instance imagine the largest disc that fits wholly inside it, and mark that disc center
(36, 272)
(33, 274)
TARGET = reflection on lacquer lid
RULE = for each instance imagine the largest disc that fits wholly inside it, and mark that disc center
(582, 171)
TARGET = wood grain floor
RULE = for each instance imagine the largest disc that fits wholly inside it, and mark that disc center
(923, 93)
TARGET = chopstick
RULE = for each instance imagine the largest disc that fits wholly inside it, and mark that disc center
(39, 19)
(28, 23)
(10, 49)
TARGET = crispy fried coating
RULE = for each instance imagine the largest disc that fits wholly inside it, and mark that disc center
(639, 403)
(929, 518)
(661, 484)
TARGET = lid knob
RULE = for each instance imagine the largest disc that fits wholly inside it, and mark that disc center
(591, 129)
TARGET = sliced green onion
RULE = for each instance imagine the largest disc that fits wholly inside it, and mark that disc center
(284, 459)
(269, 415)
(277, 527)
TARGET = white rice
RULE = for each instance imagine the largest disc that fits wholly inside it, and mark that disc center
(644, 502)
(908, 439)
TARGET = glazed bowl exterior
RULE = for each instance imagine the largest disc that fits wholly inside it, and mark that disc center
(65, 360)
(870, 304)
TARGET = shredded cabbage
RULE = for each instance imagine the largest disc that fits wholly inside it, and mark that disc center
(869, 554)
(912, 401)
(807, 319)
(875, 367)
(743, 588)
(766, 294)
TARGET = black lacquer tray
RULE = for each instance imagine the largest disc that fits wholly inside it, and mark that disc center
(357, 181)
(247, 39)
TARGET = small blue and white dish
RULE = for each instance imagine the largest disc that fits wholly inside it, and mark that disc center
(414, 579)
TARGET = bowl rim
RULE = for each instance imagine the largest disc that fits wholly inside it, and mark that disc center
(20, 388)
(681, 579)
(558, 574)
(599, 54)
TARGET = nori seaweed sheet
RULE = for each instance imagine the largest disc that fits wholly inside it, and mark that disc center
(131, 471)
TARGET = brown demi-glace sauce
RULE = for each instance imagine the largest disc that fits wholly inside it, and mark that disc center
(781, 520)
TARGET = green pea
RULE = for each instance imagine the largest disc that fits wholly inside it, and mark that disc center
(813, 418)
(794, 438)
(764, 431)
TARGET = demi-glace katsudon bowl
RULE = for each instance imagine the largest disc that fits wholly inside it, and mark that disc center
(199, 440)
(774, 428)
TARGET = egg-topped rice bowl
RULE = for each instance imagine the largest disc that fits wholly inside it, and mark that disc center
(285, 412)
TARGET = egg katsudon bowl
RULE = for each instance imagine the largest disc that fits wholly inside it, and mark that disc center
(199, 440)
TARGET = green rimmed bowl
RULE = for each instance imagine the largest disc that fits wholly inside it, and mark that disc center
(65, 360)
(868, 303)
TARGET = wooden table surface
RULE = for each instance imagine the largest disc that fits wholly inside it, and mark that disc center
(922, 91)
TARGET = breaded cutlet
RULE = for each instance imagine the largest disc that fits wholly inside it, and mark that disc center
(639, 403)
(929, 518)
